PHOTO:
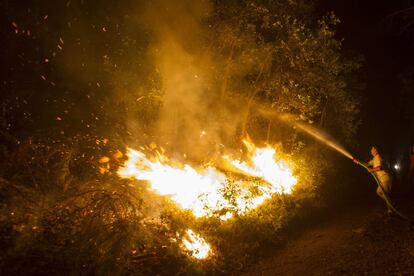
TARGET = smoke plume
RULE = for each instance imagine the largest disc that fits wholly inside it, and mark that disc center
(187, 120)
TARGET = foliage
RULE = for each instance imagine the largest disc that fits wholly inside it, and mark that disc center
(277, 55)
(52, 221)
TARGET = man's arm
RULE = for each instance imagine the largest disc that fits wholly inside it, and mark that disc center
(367, 164)
(375, 169)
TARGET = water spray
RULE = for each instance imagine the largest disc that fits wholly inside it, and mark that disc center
(324, 138)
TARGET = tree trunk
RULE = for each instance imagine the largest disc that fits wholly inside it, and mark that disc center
(226, 73)
(250, 100)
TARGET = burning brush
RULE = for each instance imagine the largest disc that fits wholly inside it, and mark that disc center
(202, 190)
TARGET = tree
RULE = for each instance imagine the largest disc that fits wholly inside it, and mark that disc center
(277, 54)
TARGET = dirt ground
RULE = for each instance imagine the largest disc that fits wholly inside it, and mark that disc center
(354, 240)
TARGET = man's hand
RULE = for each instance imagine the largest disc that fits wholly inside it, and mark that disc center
(375, 169)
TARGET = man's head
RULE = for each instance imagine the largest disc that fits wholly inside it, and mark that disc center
(374, 150)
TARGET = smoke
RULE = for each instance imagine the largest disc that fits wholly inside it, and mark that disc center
(188, 121)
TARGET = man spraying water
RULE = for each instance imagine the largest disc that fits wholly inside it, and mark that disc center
(377, 167)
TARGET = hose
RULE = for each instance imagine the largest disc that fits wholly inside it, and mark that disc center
(387, 199)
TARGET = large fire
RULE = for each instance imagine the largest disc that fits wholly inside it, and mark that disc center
(202, 190)
(189, 188)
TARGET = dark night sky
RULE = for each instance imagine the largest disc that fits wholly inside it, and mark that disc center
(368, 28)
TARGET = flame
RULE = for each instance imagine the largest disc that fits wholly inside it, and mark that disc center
(196, 245)
(202, 191)
(264, 165)
(187, 187)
